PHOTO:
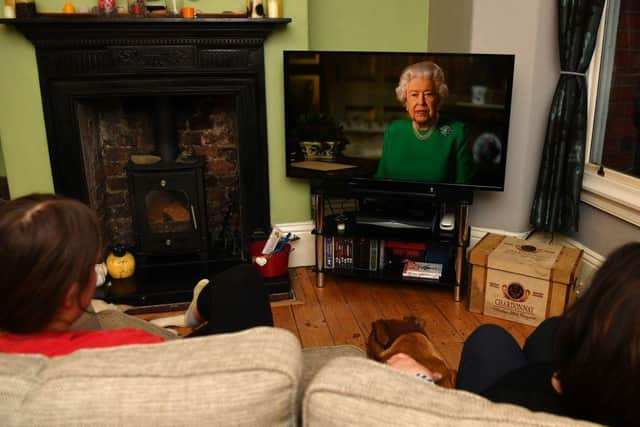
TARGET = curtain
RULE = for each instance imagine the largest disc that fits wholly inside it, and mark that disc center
(557, 197)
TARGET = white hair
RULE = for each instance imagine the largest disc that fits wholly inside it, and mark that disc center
(427, 70)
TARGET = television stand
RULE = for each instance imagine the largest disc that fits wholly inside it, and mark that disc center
(374, 244)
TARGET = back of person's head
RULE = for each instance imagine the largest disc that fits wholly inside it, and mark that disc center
(598, 343)
(426, 70)
(47, 243)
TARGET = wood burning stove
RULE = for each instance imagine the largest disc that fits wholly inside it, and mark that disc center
(169, 208)
(168, 195)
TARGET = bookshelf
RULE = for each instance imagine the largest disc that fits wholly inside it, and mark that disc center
(350, 244)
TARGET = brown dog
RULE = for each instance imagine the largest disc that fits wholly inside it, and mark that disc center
(392, 336)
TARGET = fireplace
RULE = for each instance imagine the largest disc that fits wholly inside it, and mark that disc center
(160, 125)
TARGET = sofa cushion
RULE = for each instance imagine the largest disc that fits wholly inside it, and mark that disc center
(360, 392)
(248, 378)
(314, 359)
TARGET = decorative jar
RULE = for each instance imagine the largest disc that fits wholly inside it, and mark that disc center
(107, 7)
(120, 263)
(320, 150)
(137, 8)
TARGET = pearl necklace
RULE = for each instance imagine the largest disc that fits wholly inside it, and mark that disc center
(423, 136)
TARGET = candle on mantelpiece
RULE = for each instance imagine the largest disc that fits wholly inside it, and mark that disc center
(274, 8)
(9, 8)
(9, 12)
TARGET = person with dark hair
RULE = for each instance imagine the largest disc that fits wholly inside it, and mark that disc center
(49, 246)
(585, 364)
(425, 146)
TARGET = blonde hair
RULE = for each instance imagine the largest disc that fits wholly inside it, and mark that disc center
(426, 70)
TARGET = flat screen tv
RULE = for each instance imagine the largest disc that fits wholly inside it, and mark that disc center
(445, 126)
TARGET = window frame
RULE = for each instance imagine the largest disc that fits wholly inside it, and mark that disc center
(613, 192)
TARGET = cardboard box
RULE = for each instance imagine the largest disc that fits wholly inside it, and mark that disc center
(521, 281)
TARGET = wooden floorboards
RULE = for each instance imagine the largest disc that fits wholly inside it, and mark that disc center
(342, 312)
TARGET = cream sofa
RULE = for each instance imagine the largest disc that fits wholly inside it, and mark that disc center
(258, 377)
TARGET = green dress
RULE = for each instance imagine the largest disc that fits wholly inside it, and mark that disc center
(443, 157)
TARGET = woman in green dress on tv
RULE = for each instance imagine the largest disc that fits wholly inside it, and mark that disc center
(423, 146)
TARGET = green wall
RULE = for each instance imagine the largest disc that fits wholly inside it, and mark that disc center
(22, 131)
(316, 24)
(368, 25)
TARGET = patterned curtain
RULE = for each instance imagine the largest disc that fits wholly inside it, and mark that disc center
(557, 198)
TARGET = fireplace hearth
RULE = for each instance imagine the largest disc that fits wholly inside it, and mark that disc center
(193, 212)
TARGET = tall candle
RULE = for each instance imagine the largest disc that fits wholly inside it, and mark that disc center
(274, 8)
(9, 8)
(9, 11)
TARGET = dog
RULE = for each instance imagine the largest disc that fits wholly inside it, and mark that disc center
(392, 336)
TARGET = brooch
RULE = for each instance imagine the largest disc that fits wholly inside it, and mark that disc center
(446, 130)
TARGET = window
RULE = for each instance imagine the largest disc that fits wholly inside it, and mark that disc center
(612, 174)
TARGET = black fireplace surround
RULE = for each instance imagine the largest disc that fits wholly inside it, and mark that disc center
(83, 58)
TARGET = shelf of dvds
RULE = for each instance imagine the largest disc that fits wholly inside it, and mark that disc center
(389, 237)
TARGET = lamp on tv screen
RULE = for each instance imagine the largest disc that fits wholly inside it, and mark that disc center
(386, 117)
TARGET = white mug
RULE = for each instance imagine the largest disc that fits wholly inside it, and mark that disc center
(174, 7)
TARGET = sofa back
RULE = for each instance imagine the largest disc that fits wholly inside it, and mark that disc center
(360, 392)
(249, 378)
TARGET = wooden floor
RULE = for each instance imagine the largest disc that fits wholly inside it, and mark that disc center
(342, 312)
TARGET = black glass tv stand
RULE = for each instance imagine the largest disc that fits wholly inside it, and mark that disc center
(346, 237)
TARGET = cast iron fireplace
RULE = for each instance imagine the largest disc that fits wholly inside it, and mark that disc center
(88, 63)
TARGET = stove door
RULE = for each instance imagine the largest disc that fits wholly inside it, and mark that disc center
(169, 212)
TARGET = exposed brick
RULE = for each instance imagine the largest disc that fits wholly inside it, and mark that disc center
(189, 138)
(116, 154)
(115, 169)
(116, 184)
(221, 166)
(118, 198)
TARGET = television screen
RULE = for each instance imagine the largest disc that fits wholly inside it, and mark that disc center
(398, 117)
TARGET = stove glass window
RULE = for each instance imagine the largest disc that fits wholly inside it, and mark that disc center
(169, 211)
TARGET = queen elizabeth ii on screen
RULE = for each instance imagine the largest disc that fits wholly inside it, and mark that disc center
(424, 146)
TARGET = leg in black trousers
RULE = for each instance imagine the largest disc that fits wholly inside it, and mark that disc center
(488, 354)
(234, 300)
(539, 345)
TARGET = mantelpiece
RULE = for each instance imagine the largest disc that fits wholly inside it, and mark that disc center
(67, 28)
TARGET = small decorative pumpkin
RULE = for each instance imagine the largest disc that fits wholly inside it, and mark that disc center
(120, 263)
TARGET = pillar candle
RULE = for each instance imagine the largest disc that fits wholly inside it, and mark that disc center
(9, 11)
(274, 8)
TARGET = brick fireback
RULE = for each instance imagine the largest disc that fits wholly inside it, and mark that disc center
(112, 130)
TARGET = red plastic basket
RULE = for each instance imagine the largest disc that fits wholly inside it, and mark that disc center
(277, 264)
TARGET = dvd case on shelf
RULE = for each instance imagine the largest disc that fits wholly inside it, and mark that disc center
(422, 270)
